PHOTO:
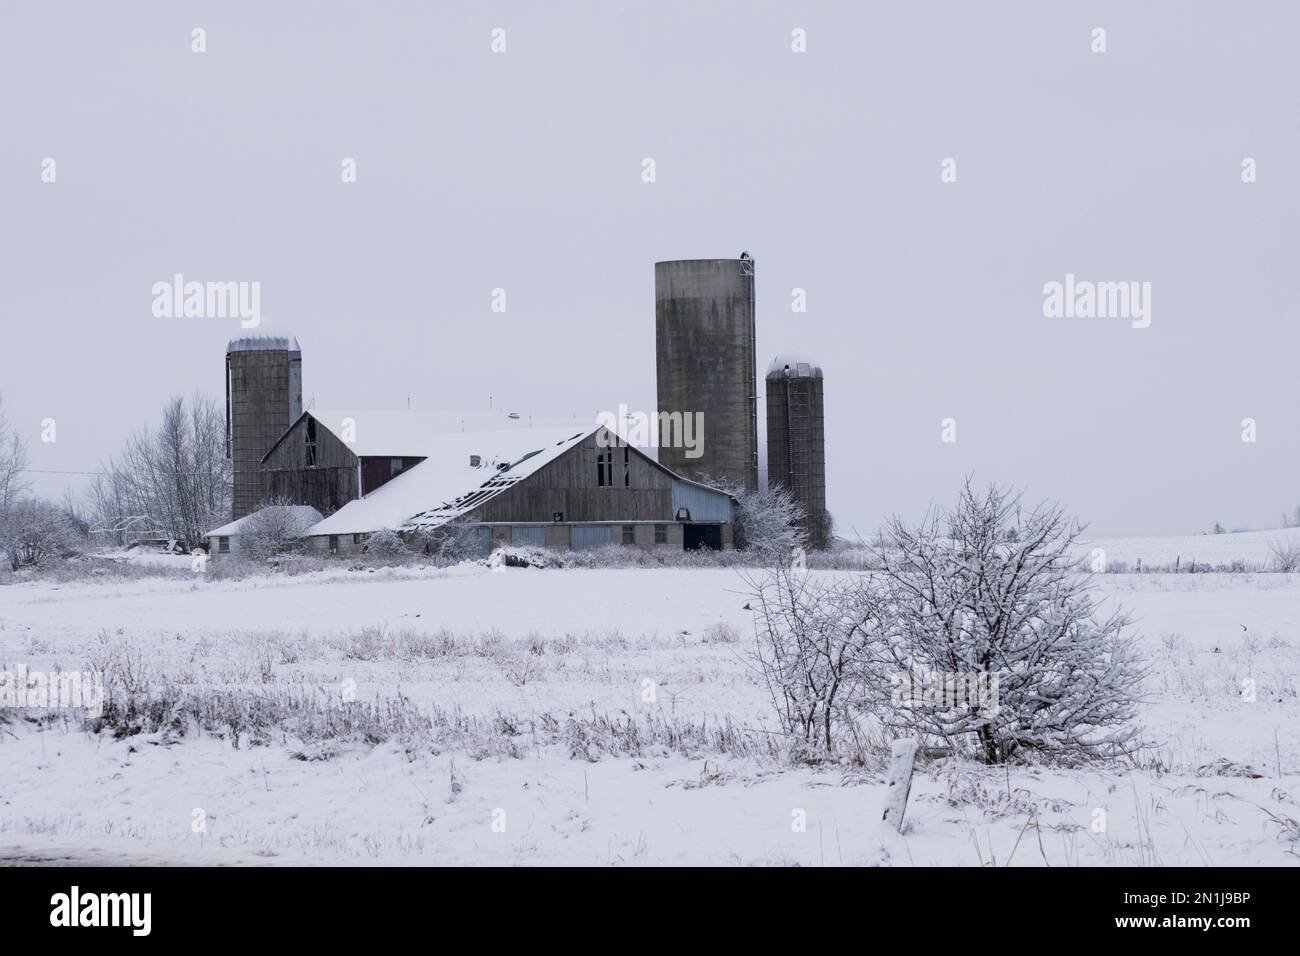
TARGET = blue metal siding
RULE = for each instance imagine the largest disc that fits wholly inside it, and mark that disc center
(704, 505)
(483, 536)
(528, 535)
(591, 536)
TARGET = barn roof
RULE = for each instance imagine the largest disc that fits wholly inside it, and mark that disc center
(445, 484)
(404, 433)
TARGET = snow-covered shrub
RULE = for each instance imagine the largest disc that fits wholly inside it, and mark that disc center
(812, 644)
(1286, 554)
(979, 642)
(452, 542)
(769, 523)
(997, 647)
(35, 532)
(523, 556)
(720, 632)
(386, 543)
(275, 529)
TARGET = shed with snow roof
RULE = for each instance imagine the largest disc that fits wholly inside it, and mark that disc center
(229, 538)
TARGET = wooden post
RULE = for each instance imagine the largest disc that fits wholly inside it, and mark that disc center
(902, 759)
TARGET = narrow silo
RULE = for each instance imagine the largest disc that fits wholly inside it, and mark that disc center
(796, 439)
(704, 358)
(263, 398)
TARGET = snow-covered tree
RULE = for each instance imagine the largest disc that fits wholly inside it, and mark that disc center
(812, 638)
(35, 532)
(998, 645)
(275, 528)
(965, 636)
(768, 521)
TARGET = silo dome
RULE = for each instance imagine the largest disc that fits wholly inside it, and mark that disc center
(800, 366)
(796, 438)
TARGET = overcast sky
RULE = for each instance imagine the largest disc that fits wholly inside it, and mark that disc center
(523, 170)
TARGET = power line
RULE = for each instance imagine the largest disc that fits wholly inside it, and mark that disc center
(53, 471)
(49, 471)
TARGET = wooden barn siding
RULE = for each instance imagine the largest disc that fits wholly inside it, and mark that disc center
(328, 486)
(378, 470)
(568, 484)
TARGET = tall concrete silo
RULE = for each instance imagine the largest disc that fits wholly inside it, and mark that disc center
(796, 439)
(704, 357)
(263, 398)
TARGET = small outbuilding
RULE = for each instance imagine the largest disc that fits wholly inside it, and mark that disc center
(291, 520)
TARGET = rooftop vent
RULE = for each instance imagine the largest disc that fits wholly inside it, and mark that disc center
(475, 461)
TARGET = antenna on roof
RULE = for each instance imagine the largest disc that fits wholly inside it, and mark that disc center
(408, 401)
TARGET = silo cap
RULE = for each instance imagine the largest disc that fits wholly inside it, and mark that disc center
(800, 366)
(264, 343)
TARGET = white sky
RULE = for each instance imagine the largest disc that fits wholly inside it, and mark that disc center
(522, 170)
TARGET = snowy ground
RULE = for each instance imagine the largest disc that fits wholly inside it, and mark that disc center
(1254, 549)
(1219, 784)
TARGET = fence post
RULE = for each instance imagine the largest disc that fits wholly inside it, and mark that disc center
(902, 760)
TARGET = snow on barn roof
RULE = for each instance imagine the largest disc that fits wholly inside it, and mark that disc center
(402, 433)
(446, 484)
(305, 513)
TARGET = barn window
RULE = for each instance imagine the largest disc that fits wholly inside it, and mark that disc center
(334, 544)
(605, 468)
(629, 534)
(223, 545)
(309, 449)
(356, 539)
(661, 534)
(394, 467)
(627, 468)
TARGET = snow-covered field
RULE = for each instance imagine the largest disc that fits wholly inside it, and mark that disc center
(527, 668)
(1253, 549)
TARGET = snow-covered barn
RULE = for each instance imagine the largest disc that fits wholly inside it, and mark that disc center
(328, 457)
(571, 487)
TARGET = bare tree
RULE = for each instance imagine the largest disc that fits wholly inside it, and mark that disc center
(1286, 554)
(13, 463)
(173, 478)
